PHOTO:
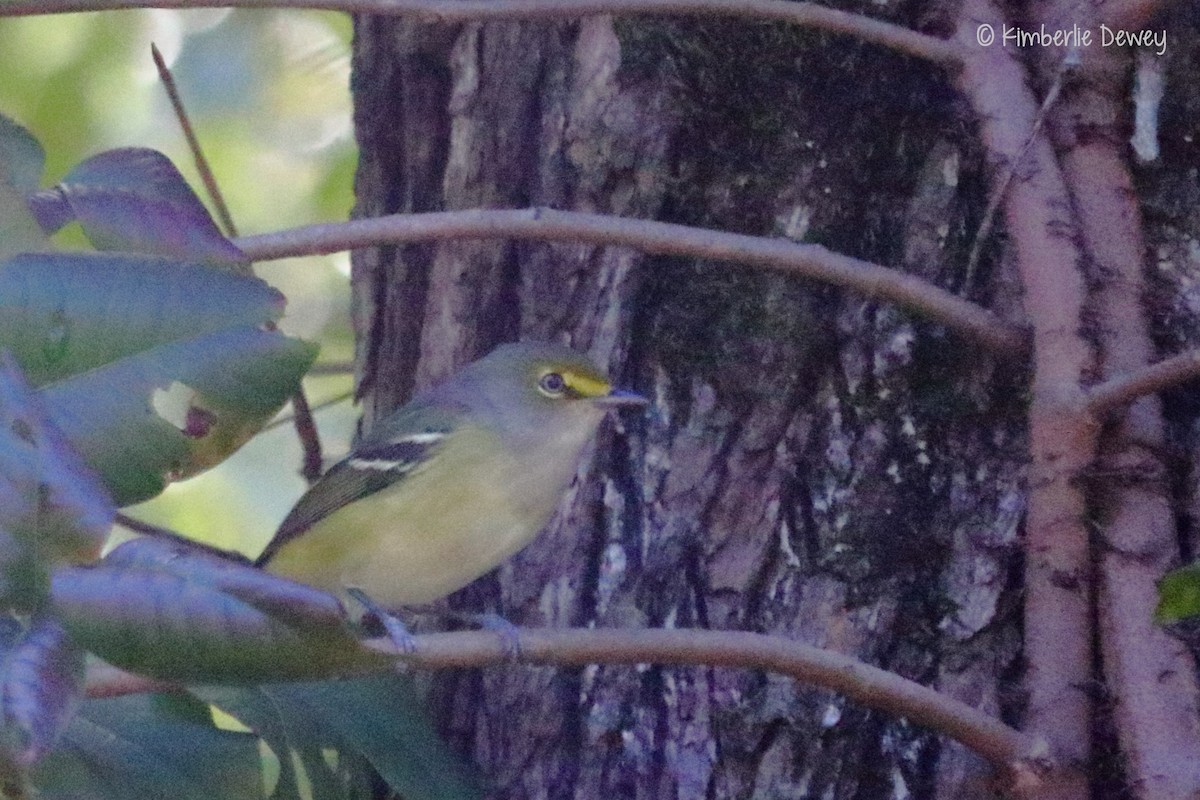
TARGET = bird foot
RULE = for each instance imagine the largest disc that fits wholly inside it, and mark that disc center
(376, 617)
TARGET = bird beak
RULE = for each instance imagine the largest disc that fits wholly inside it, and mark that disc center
(619, 398)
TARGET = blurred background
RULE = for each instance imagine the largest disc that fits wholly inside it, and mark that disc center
(268, 95)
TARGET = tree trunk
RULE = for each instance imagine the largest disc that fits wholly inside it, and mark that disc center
(815, 465)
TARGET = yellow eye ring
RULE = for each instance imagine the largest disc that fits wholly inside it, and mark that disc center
(552, 384)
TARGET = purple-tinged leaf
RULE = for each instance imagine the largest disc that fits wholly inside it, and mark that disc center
(41, 683)
(53, 505)
(50, 209)
(134, 200)
(293, 603)
(220, 625)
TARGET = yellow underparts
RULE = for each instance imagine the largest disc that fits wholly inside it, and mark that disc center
(444, 525)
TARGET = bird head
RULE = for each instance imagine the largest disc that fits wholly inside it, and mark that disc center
(529, 388)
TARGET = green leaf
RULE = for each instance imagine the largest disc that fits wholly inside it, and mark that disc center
(382, 717)
(41, 683)
(65, 313)
(193, 617)
(19, 233)
(134, 199)
(173, 411)
(139, 747)
(290, 734)
(22, 159)
(1179, 595)
(21, 163)
(153, 369)
(379, 717)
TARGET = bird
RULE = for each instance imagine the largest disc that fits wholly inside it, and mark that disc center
(453, 483)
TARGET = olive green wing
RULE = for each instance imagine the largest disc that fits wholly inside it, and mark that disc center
(373, 466)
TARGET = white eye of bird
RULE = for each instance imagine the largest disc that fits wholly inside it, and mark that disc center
(552, 384)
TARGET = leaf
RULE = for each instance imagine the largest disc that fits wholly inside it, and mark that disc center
(49, 499)
(173, 411)
(154, 369)
(21, 163)
(41, 683)
(134, 199)
(290, 734)
(65, 313)
(22, 159)
(52, 508)
(18, 231)
(141, 747)
(381, 717)
(378, 717)
(294, 603)
(1178, 595)
(197, 618)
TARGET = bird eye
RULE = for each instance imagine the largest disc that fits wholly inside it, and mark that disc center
(552, 384)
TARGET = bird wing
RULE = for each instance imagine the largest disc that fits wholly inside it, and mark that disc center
(374, 465)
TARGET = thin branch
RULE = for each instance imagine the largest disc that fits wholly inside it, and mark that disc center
(331, 368)
(1106, 397)
(288, 419)
(1000, 187)
(306, 428)
(149, 529)
(105, 680)
(306, 432)
(206, 174)
(863, 683)
(930, 48)
(664, 238)
(157, 531)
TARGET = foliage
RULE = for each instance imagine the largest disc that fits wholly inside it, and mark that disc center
(1179, 594)
(123, 370)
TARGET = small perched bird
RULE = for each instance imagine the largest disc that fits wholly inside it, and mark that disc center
(451, 484)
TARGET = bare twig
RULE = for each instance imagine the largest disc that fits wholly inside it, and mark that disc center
(807, 14)
(861, 682)
(289, 419)
(149, 529)
(1106, 397)
(332, 368)
(310, 442)
(806, 260)
(202, 166)
(1000, 187)
(306, 428)
(159, 532)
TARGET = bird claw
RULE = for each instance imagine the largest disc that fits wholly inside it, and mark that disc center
(510, 635)
(396, 631)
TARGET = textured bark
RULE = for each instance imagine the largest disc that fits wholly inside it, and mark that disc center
(1151, 678)
(815, 465)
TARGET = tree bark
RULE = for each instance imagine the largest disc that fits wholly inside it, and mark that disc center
(815, 465)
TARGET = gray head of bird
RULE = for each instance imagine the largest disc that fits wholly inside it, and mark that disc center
(534, 388)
